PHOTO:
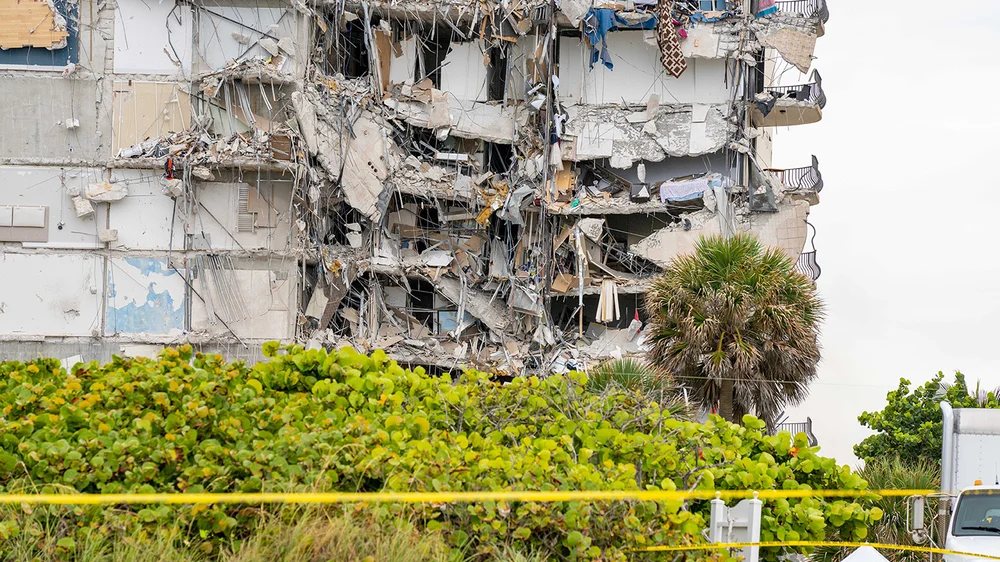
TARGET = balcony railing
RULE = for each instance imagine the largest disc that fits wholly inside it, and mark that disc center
(805, 8)
(811, 92)
(806, 178)
(807, 264)
(799, 427)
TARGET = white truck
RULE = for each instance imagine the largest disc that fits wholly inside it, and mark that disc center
(968, 511)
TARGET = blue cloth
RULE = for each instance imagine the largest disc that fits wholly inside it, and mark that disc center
(598, 23)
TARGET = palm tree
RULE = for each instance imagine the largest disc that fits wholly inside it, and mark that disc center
(737, 326)
(634, 376)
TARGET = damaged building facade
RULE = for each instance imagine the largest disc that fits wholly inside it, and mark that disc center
(479, 183)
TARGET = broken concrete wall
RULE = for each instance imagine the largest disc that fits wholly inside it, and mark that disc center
(626, 136)
(242, 199)
(784, 230)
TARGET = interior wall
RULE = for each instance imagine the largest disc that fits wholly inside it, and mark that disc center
(464, 74)
(250, 22)
(143, 219)
(268, 293)
(220, 219)
(145, 296)
(153, 37)
(51, 294)
(637, 74)
(145, 110)
(50, 187)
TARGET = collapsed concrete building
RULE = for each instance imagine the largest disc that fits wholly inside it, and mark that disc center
(481, 183)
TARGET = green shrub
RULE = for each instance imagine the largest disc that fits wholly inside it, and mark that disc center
(318, 421)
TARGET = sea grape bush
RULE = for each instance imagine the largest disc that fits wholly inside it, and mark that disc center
(312, 420)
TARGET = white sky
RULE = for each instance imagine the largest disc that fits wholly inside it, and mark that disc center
(908, 220)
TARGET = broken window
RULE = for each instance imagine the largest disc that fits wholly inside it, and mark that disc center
(497, 74)
(40, 33)
(434, 47)
(354, 50)
(499, 157)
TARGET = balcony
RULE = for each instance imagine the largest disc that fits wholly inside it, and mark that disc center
(807, 264)
(796, 428)
(800, 183)
(784, 106)
(810, 9)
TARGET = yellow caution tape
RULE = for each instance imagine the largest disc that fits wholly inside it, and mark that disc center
(880, 546)
(441, 497)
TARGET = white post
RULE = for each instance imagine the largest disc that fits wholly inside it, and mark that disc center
(740, 523)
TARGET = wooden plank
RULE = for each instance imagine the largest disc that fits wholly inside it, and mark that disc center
(28, 23)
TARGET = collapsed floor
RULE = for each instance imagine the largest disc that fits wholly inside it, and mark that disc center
(475, 184)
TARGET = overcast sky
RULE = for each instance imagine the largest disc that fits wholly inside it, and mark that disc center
(907, 223)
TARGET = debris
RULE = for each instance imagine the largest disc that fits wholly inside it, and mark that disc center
(105, 192)
(107, 235)
(203, 173)
(269, 45)
(172, 188)
(82, 207)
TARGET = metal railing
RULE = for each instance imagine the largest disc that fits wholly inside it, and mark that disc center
(811, 92)
(806, 178)
(805, 8)
(799, 427)
(807, 264)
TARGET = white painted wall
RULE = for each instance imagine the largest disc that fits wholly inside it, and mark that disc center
(49, 187)
(463, 73)
(637, 74)
(221, 200)
(143, 217)
(146, 31)
(401, 68)
(50, 294)
(270, 301)
(217, 46)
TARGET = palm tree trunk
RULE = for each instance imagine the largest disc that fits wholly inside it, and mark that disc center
(726, 399)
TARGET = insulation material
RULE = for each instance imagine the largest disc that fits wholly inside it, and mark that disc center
(31, 23)
(144, 110)
(153, 37)
(795, 46)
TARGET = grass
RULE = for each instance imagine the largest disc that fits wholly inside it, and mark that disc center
(301, 534)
